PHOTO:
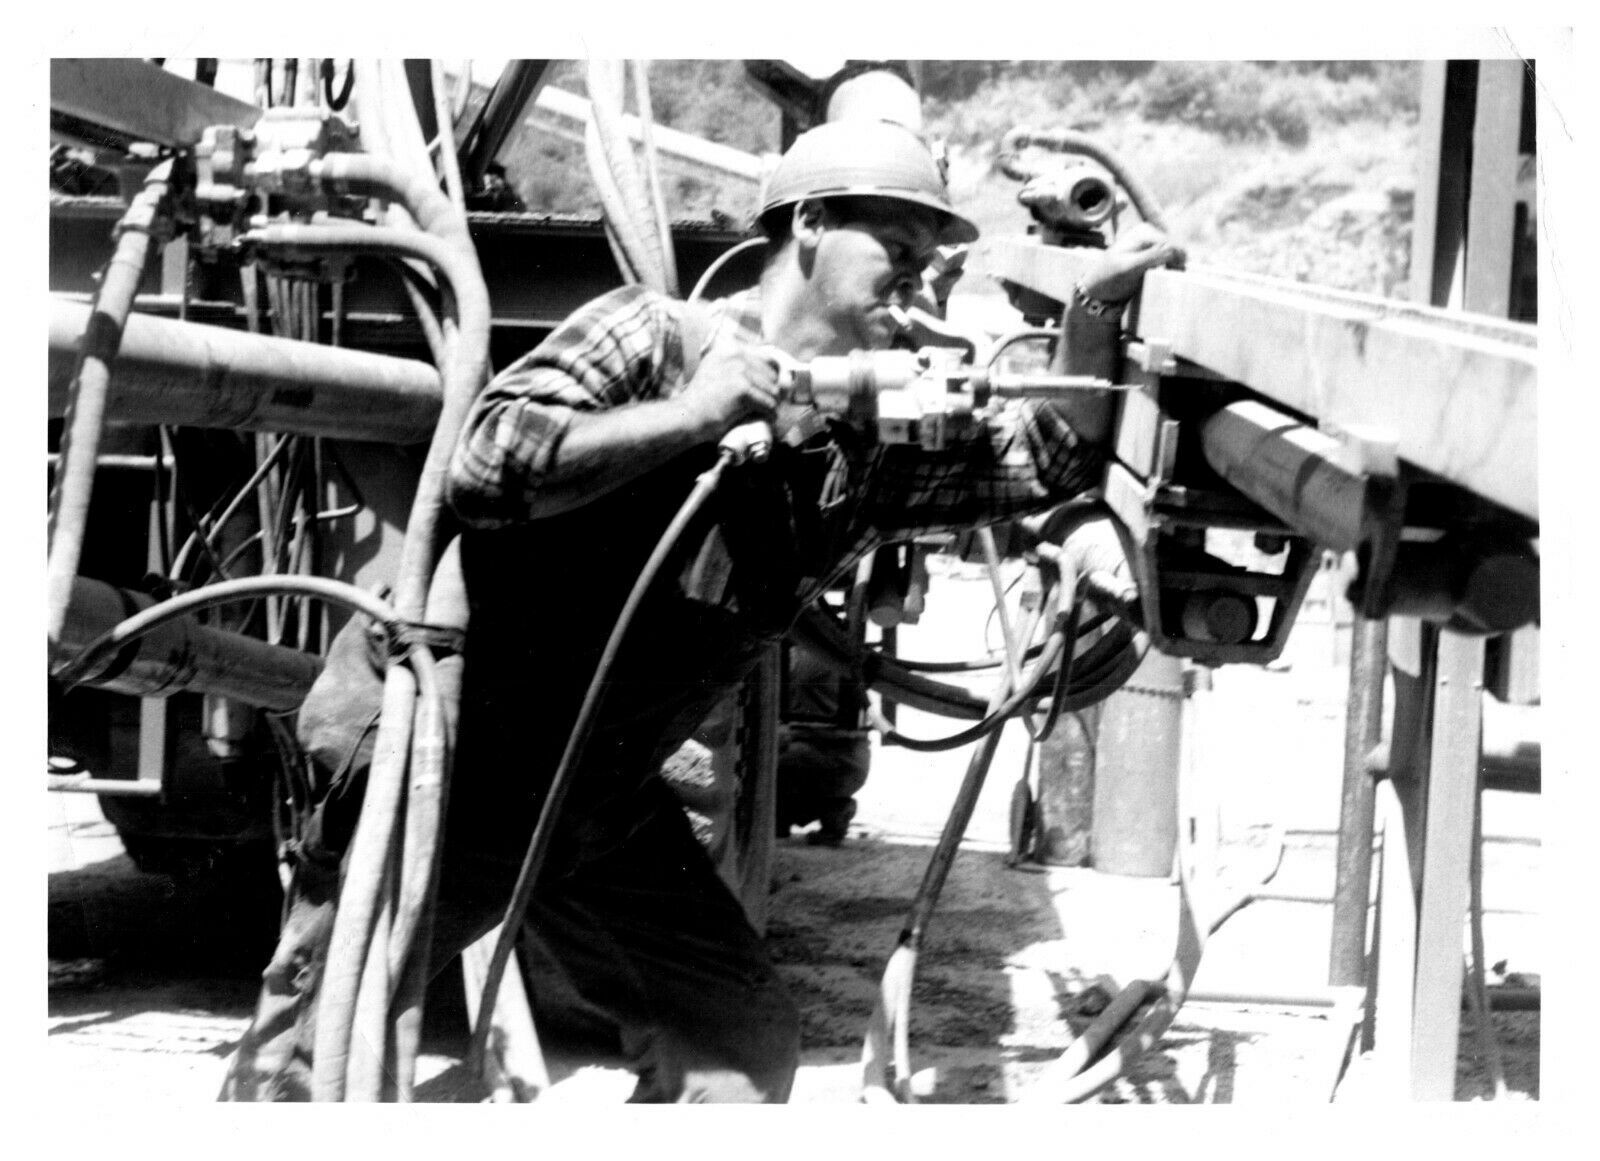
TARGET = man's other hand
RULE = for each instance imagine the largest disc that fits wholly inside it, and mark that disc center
(1116, 273)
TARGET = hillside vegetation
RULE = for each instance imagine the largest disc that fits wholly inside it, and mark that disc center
(1302, 170)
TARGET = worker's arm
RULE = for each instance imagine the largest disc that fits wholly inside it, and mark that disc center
(603, 450)
(1090, 343)
(595, 406)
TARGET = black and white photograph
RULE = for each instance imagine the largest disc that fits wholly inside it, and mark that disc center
(802, 579)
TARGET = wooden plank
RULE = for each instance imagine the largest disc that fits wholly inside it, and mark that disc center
(1452, 799)
(1458, 394)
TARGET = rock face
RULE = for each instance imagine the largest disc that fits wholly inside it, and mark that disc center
(1350, 238)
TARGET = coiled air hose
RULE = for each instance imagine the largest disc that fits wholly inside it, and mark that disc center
(577, 742)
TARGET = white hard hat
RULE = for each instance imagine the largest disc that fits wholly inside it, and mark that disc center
(859, 157)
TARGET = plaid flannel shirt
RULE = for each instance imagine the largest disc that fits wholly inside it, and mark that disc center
(625, 347)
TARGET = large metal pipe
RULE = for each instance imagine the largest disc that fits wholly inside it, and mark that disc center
(198, 376)
(181, 655)
(1290, 469)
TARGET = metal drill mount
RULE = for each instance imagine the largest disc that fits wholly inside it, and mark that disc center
(927, 398)
(269, 169)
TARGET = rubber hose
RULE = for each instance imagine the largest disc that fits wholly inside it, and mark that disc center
(86, 399)
(427, 797)
(371, 176)
(417, 289)
(449, 162)
(1059, 695)
(892, 1013)
(634, 260)
(389, 109)
(719, 262)
(246, 490)
(652, 169)
(1110, 659)
(226, 592)
(1070, 141)
(426, 793)
(606, 83)
(577, 741)
(1175, 985)
(1109, 675)
(1024, 692)
(462, 380)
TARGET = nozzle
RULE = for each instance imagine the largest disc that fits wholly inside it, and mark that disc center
(749, 442)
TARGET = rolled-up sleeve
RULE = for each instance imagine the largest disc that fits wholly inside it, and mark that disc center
(620, 348)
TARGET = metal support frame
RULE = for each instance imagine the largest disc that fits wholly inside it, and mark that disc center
(1369, 661)
(121, 100)
(1458, 392)
(1447, 855)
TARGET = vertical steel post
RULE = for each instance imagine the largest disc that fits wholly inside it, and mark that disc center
(1452, 801)
(1369, 660)
(1394, 973)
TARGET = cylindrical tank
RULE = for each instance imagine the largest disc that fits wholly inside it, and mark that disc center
(1065, 807)
(1135, 830)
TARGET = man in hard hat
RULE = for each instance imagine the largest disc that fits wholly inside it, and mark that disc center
(572, 464)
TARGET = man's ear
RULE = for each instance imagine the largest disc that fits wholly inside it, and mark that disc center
(807, 225)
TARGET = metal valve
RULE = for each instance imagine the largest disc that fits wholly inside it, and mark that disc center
(927, 397)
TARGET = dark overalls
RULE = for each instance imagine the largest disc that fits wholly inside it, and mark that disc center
(636, 946)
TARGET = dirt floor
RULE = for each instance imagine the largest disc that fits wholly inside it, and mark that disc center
(151, 980)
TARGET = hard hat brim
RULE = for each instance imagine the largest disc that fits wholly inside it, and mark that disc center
(953, 227)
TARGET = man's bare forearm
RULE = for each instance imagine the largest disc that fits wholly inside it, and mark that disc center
(1089, 347)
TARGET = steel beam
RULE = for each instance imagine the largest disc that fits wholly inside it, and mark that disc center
(558, 105)
(520, 80)
(197, 376)
(141, 102)
(1458, 393)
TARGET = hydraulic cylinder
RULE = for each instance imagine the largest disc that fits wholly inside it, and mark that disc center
(182, 654)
